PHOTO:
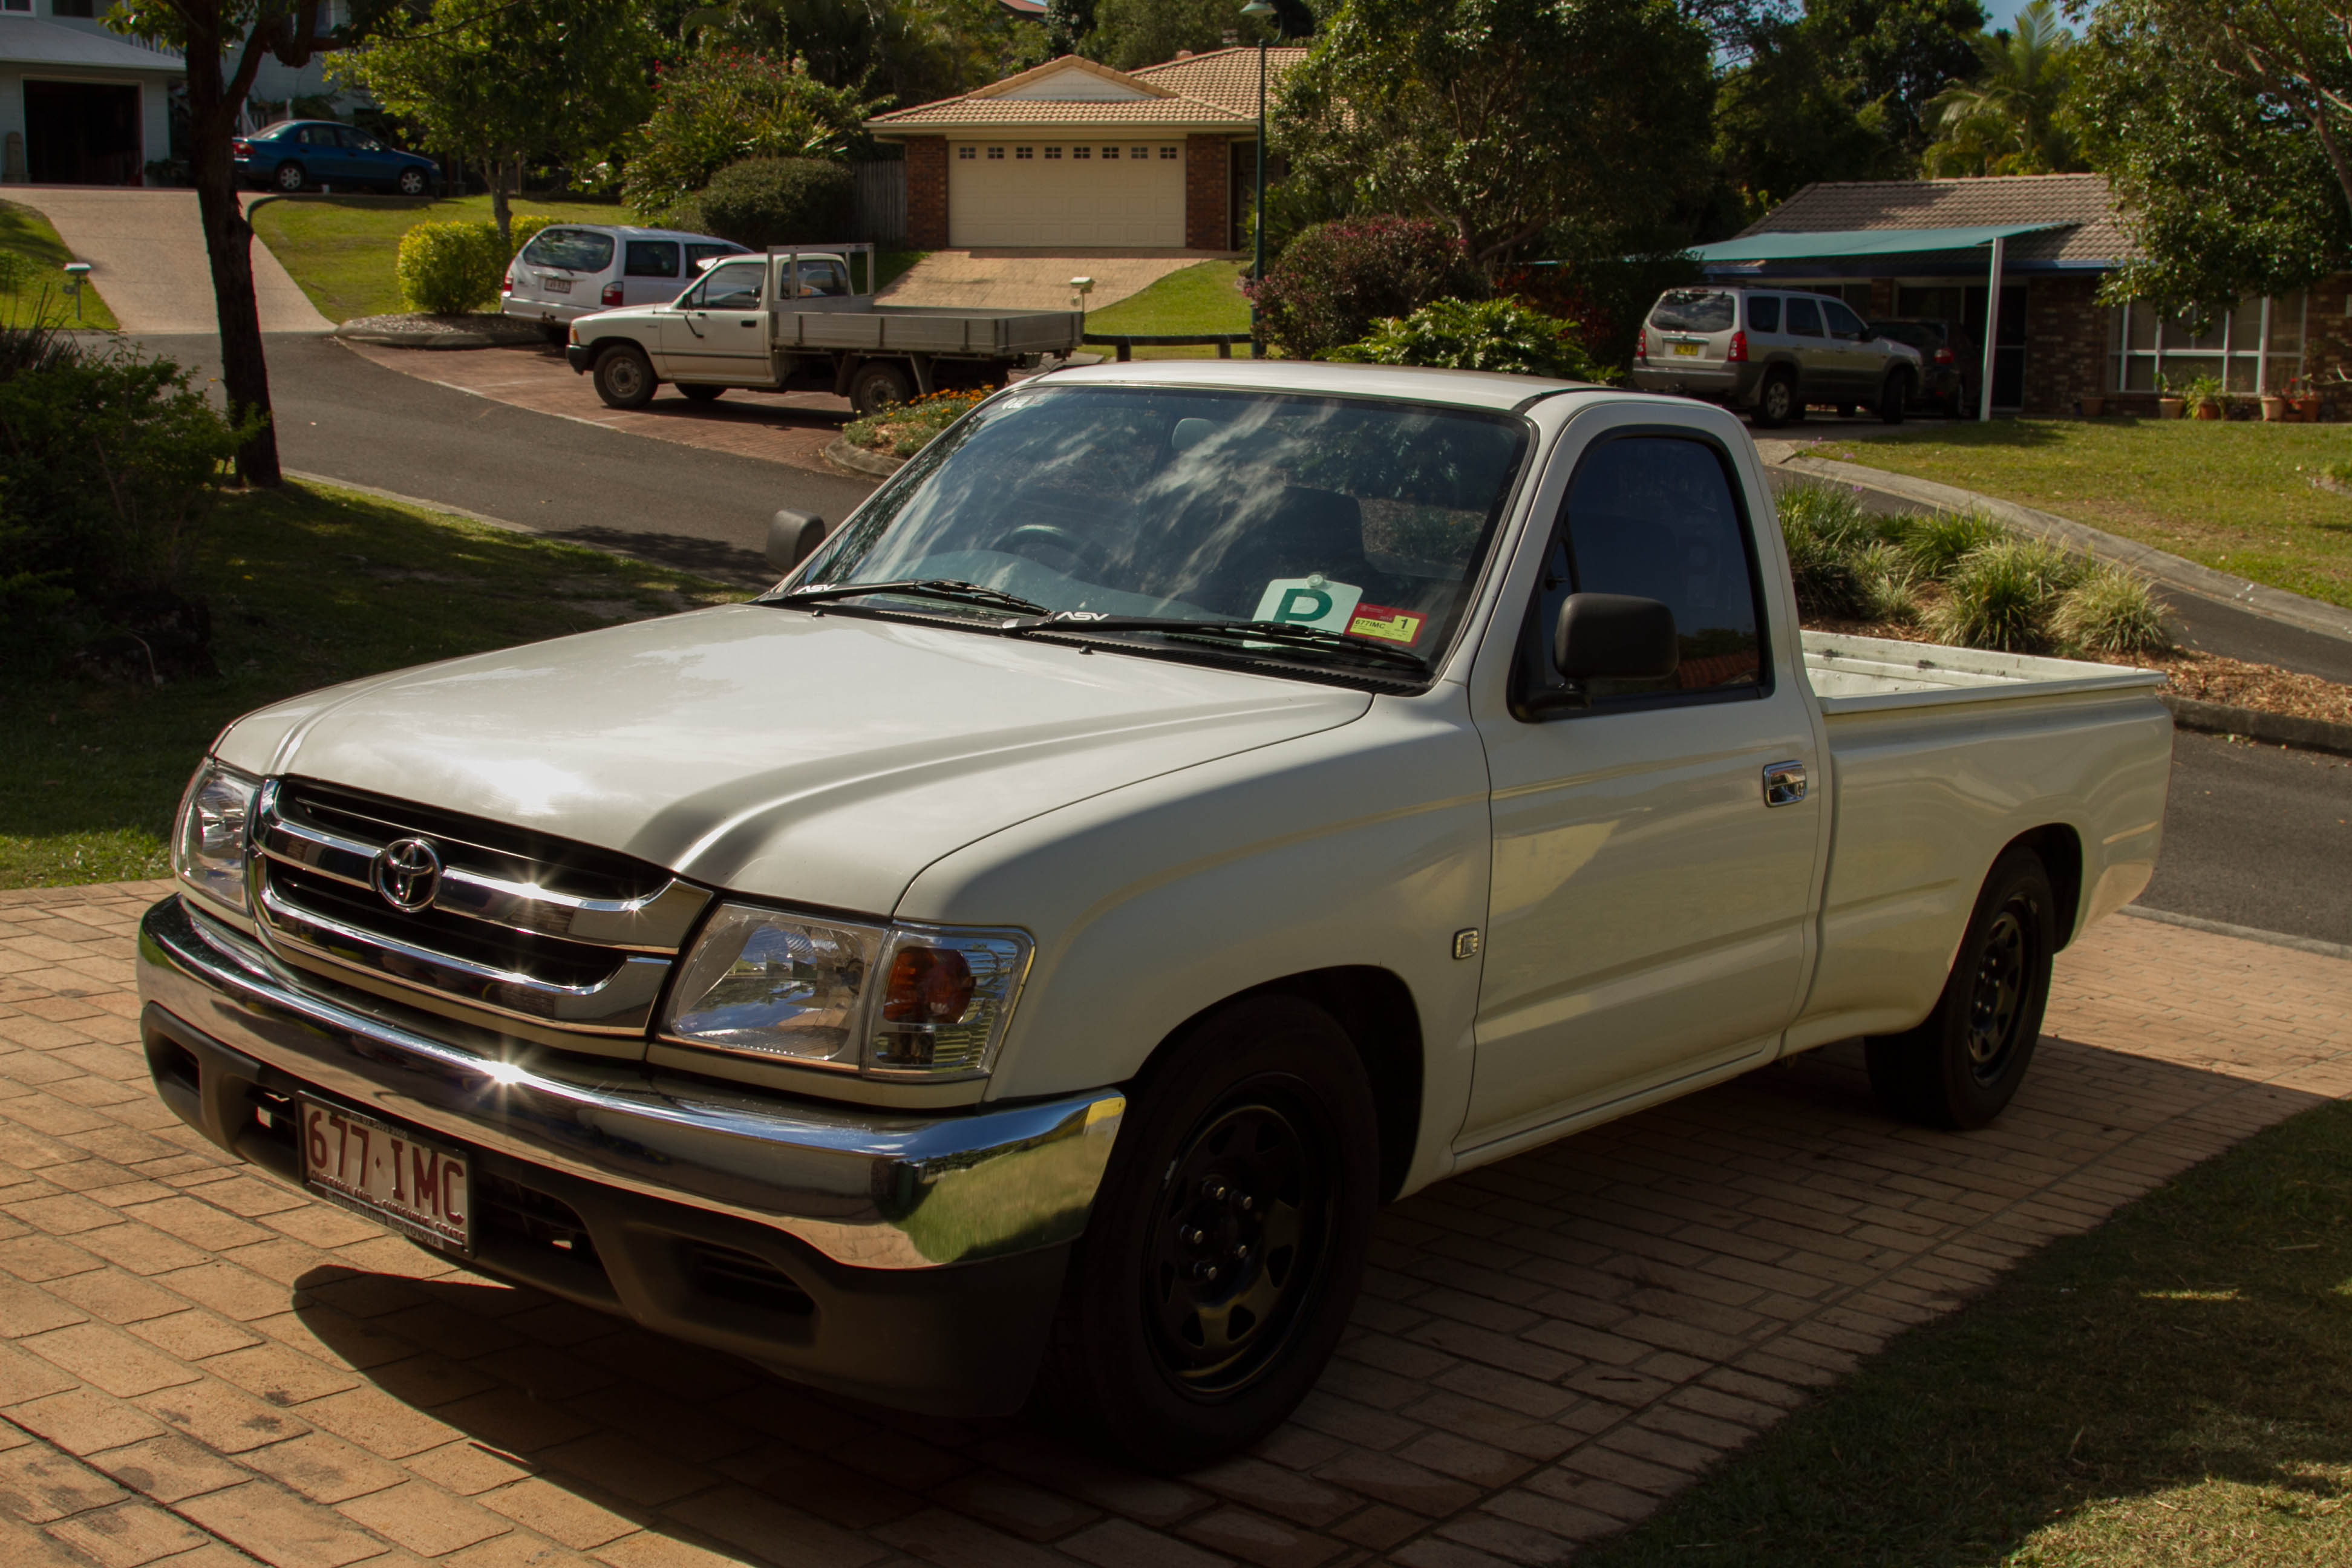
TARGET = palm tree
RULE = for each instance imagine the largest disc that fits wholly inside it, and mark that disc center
(2009, 120)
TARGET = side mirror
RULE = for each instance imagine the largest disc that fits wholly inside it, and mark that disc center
(792, 538)
(1614, 637)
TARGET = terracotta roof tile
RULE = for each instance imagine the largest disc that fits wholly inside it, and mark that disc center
(1228, 76)
(1212, 91)
(2080, 202)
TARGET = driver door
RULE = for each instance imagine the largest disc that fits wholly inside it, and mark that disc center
(717, 331)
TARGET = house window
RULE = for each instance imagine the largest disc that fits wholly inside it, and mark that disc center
(84, 9)
(1082, 153)
(1053, 153)
(1138, 153)
(1110, 154)
(1167, 154)
(23, 5)
(2255, 347)
(966, 154)
(996, 154)
(1021, 152)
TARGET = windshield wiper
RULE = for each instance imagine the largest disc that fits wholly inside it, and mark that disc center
(922, 588)
(1282, 633)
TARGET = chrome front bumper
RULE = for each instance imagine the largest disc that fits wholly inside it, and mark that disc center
(868, 1189)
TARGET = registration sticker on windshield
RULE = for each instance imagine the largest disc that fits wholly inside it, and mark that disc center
(1400, 626)
(1314, 601)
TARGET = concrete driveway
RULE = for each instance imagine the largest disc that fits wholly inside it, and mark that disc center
(146, 255)
(1028, 280)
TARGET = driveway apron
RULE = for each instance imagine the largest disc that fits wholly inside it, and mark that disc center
(146, 255)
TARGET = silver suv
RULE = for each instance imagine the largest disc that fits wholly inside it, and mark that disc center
(570, 270)
(1772, 353)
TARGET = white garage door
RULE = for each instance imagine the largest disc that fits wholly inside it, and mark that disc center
(1067, 194)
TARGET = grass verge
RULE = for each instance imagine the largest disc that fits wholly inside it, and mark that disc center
(1200, 299)
(2168, 1389)
(2231, 495)
(307, 587)
(340, 249)
(33, 286)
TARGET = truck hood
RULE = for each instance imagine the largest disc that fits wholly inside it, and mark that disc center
(822, 760)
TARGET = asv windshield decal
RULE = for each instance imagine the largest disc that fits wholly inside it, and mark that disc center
(1315, 601)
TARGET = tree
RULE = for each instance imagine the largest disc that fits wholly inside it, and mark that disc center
(1563, 122)
(2012, 119)
(500, 80)
(1898, 54)
(208, 33)
(720, 106)
(913, 50)
(1132, 33)
(2225, 127)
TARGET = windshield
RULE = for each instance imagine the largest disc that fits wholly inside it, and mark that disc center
(1365, 519)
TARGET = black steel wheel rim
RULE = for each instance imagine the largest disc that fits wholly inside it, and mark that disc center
(1997, 999)
(1241, 1234)
(622, 376)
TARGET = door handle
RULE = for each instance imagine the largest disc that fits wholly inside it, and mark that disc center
(1784, 782)
(747, 320)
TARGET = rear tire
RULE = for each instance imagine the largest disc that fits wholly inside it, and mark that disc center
(1895, 397)
(1961, 1068)
(411, 183)
(876, 384)
(624, 378)
(1227, 1242)
(289, 177)
(1777, 404)
(694, 394)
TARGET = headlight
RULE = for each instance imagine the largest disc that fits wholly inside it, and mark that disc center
(890, 1002)
(208, 844)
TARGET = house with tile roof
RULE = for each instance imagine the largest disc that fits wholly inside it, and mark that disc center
(1075, 156)
(2045, 242)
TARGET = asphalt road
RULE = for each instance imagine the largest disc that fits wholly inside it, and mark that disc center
(2254, 836)
(343, 417)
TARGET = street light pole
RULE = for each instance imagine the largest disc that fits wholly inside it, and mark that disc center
(1261, 9)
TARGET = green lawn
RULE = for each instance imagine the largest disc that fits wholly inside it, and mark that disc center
(1201, 298)
(340, 249)
(2234, 496)
(307, 587)
(35, 283)
(2171, 1389)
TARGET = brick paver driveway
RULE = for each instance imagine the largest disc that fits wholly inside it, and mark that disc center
(203, 1367)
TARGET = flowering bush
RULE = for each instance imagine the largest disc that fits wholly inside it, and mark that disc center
(1493, 334)
(903, 429)
(1336, 278)
(722, 106)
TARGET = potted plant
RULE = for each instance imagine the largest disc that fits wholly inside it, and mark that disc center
(2275, 408)
(2303, 399)
(2204, 395)
(2169, 404)
(2094, 404)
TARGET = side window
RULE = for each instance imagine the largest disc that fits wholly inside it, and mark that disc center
(651, 259)
(1764, 312)
(1804, 317)
(726, 288)
(1844, 323)
(1656, 517)
(318, 136)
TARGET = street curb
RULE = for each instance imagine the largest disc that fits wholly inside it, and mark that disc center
(2271, 728)
(2271, 603)
(394, 338)
(858, 460)
(2244, 933)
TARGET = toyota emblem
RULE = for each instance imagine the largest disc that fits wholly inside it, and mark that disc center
(407, 872)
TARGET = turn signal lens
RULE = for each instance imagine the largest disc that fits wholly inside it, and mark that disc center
(611, 294)
(945, 1002)
(1738, 353)
(928, 985)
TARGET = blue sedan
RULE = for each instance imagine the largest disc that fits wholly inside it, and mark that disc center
(303, 154)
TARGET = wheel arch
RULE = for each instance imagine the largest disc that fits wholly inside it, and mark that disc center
(2060, 847)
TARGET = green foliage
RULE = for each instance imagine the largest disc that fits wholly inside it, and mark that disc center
(913, 50)
(448, 268)
(108, 465)
(2204, 391)
(1335, 280)
(1885, 583)
(762, 202)
(2207, 117)
(1491, 335)
(1825, 530)
(1936, 541)
(2109, 612)
(1564, 124)
(1132, 33)
(902, 431)
(2011, 118)
(2002, 596)
(722, 106)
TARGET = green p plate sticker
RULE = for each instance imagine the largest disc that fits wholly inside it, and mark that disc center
(1314, 601)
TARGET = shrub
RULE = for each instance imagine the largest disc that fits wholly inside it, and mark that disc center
(1885, 585)
(722, 106)
(2002, 596)
(1493, 334)
(1825, 529)
(1336, 278)
(762, 202)
(2110, 611)
(449, 268)
(1936, 542)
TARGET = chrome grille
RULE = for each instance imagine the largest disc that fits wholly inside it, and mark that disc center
(522, 931)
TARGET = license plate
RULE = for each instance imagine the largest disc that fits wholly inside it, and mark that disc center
(556, 285)
(1688, 350)
(418, 1187)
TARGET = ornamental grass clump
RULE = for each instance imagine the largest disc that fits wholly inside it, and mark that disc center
(1885, 583)
(1825, 531)
(2109, 612)
(2004, 595)
(1936, 542)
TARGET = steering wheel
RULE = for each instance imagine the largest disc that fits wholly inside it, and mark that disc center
(1083, 552)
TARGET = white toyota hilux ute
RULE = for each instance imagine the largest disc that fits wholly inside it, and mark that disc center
(1185, 808)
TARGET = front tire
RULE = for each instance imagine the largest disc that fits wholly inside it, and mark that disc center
(1895, 397)
(1776, 404)
(1227, 1243)
(1961, 1068)
(411, 183)
(289, 177)
(624, 378)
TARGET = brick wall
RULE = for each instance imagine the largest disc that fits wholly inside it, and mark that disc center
(927, 192)
(1882, 297)
(2065, 344)
(1208, 210)
(2328, 339)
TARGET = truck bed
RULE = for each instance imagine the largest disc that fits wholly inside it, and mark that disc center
(931, 329)
(1879, 675)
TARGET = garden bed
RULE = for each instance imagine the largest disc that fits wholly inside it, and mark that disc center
(903, 429)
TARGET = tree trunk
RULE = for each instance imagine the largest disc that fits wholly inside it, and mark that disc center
(228, 244)
(500, 212)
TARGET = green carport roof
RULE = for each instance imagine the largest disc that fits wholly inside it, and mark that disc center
(1859, 242)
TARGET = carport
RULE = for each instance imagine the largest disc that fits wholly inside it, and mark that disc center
(1974, 251)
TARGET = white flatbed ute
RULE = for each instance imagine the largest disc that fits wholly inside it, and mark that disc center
(1187, 806)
